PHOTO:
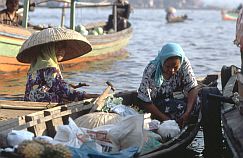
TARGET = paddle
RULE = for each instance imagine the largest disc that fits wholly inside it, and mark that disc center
(100, 101)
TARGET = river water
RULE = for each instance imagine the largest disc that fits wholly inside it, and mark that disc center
(205, 38)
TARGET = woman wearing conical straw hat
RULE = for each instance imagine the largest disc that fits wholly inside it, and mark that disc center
(44, 50)
(171, 16)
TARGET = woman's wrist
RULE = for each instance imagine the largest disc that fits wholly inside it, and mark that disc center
(164, 117)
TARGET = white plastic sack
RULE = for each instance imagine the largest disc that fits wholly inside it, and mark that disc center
(154, 124)
(150, 124)
(66, 134)
(100, 137)
(169, 129)
(45, 138)
(16, 137)
(153, 135)
(71, 135)
(123, 110)
(97, 119)
(126, 133)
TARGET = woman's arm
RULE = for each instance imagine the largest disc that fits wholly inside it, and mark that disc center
(190, 87)
(146, 91)
(191, 100)
(88, 96)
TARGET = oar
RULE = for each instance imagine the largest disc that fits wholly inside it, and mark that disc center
(100, 101)
(78, 85)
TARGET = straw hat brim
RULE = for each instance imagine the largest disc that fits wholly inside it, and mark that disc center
(171, 10)
(76, 45)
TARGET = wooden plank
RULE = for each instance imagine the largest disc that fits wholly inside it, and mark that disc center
(17, 107)
(12, 123)
(51, 125)
(40, 128)
(7, 114)
(228, 89)
(40, 121)
(240, 84)
(26, 103)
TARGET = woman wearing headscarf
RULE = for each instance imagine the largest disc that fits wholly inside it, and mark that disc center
(170, 71)
(45, 82)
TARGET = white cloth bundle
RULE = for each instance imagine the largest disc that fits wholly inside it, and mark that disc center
(169, 129)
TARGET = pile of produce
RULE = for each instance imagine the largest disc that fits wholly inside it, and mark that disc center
(96, 31)
(42, 149)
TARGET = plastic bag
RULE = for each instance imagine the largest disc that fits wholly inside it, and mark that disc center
(16, 137)
(126, 133)
(123, 110)
(169, 129)
(66, 134)
(97, 119)
(85, 151)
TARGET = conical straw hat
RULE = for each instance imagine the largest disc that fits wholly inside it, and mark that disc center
(76, 44)
(171, 10)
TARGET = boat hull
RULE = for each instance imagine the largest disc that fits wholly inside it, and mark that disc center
(229, 16)
(231, 114)
(41, 122)
(104, 46)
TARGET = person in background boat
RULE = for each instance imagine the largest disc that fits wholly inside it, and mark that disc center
(123, 14)
(171, 16)
(239, 42)
(9, 15)
(170, 71)
(45, 82)
(239, 7)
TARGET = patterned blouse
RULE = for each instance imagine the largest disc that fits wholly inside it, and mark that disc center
(184, 79)
(47, 88)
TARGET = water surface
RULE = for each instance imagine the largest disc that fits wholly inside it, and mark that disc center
(205, 38)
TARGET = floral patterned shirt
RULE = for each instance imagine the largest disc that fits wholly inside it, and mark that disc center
(184, 80)
(49, 86)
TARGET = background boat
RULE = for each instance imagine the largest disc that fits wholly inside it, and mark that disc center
(108, 44)
(32, 121)
(229, 15)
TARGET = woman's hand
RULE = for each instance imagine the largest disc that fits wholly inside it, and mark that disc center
(184, 119)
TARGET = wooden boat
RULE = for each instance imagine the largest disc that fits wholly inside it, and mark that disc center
(224, 106)
(104, 46)
(229, 15)
(45, 122)
(178, 19)
(232, 113)
(224, 110)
